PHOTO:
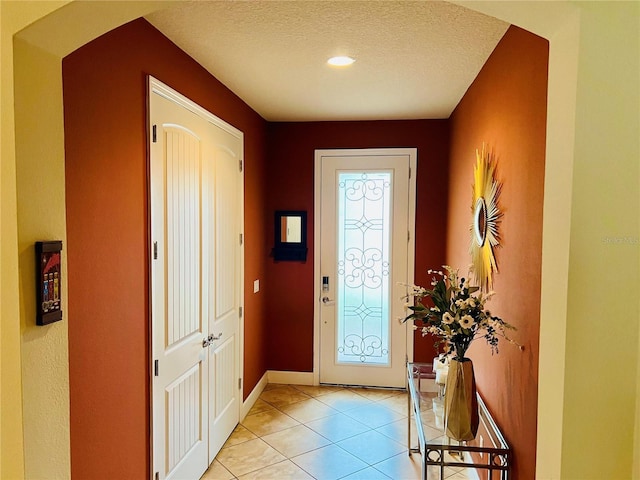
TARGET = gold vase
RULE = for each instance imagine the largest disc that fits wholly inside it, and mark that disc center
(460, 401)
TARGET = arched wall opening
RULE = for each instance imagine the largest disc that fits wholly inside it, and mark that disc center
(39, 49)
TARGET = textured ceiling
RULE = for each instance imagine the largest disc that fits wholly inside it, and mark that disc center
(413, 59)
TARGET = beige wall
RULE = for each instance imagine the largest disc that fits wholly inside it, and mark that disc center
(636, 448)
(577, 322)
(604, 247)
(41, 216)
(13, 17)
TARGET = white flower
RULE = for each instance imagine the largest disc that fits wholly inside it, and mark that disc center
(466, 321)
(463, 314)
(493, 323)
(462, 304)
(432, 330)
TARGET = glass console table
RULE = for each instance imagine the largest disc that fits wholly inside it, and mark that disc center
(487, 456)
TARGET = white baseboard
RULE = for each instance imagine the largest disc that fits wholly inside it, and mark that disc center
(293, 378)
(274, 376)
(253, 396)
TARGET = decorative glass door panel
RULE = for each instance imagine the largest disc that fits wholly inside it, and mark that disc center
(363, 255)
(364, 213)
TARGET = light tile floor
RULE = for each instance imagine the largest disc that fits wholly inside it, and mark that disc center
(302, 432)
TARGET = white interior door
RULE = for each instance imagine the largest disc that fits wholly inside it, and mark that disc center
(225, 277)
(366, 224)
(196, 221)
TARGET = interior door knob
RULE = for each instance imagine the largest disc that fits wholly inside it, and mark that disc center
(210, 339)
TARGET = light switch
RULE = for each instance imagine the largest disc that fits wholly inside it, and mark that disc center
(256, 286)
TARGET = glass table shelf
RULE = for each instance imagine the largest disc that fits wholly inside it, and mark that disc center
(485, 458)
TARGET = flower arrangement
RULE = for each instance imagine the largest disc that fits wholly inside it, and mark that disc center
(458, 315)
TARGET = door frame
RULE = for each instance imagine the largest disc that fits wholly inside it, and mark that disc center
(412, 153)
(156, 86)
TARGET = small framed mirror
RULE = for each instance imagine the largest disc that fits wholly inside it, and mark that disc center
(290, 235)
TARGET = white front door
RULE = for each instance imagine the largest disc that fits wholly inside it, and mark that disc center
(365, 222)
(196, 220)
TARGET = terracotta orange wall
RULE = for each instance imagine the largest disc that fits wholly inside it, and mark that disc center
(107, 248)
(506, 108)
(290, 179)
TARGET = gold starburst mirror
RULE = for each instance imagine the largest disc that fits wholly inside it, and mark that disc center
(486, 216)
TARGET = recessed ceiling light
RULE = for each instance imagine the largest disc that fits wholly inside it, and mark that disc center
(341, 61)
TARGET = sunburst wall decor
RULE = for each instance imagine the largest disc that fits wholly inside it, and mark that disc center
(486, 217)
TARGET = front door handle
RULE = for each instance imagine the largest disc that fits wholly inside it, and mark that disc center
(327, 301)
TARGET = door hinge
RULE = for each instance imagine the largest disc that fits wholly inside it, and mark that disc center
(240, 311)
(241, 238)
(240, 164)
(154, 134)
(156, 368)
(239, 384)
(409, 172)
(408, 236)
(155, 250)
